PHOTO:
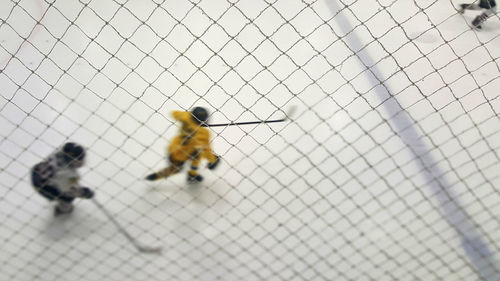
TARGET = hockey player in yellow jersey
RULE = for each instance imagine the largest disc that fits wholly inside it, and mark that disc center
(191, 144)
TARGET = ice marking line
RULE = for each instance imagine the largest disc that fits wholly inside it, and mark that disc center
(474, 244)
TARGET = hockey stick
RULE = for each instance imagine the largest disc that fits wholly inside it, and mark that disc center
(287, 117)
(141, 248)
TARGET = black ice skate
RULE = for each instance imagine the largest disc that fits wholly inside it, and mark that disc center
(194, 178)
(152, 177)
(60, 210)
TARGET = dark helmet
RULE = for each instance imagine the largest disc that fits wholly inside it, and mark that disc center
(200, 115)
(73, 152)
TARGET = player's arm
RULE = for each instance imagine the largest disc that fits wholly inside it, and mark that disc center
(182, 116)
(203, 140)
(42, 173)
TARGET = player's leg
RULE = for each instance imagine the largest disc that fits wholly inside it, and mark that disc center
(174, 167)
(64, 205)
(50, 192)
(483, 17)
(193, 175)
(472, 6)
(53, 193)
(164, 173)
(177, 155)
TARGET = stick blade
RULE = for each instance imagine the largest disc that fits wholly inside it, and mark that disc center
(290, 112)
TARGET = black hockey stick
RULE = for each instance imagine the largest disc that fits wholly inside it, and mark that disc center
(287, 117)
(139, 247)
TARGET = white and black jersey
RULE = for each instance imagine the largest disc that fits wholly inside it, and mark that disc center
(54, 177)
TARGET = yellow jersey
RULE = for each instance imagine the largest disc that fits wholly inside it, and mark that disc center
(193, 141)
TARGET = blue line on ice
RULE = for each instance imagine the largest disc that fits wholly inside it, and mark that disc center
(474, 244)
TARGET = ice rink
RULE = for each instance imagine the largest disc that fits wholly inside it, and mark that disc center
(388, 170)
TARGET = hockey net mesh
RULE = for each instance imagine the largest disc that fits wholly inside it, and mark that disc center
(392, 97)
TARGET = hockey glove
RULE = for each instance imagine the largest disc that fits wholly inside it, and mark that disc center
(214, 164)
(85, 192)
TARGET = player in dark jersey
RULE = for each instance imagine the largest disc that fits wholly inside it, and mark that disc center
(56, 177)
(489, 7)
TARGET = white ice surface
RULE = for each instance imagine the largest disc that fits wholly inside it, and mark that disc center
(333, 195)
